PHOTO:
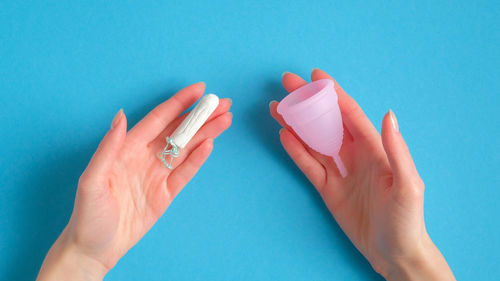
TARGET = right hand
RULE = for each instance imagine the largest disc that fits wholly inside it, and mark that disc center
(379, 205)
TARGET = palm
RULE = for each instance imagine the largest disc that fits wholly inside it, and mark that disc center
(141, 192)
(357, 201)
(365, 204)
(118, 203)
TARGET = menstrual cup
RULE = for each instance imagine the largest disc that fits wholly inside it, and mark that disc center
(313, 113)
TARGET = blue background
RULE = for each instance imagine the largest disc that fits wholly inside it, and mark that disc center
(66, 69)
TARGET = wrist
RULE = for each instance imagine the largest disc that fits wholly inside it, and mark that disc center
(65, 261)
(426, 263)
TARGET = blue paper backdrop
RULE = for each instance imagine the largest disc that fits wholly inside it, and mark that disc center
(66, 67)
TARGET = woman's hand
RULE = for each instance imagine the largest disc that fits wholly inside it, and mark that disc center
(379, 205)
(125, 188)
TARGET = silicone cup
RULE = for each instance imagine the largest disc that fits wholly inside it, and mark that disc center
(314, 114)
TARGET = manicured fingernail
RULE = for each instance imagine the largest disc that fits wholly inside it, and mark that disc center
(117, 119)
(394, 121)
(281, 131)
(271, 102)
(284, 73)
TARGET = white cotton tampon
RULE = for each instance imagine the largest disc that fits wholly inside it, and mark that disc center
(187, 129)
(195, 119)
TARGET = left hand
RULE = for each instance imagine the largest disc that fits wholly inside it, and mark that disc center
(125, 188)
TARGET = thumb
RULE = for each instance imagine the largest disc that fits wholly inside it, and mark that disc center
(108, 149)
(401, 162)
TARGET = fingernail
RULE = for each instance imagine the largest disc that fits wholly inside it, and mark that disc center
(314, 68)
(394, 121)
(271, 102)
(204, 84)
(284, 73)
(117, 119)
(281, 131)
(230, 101)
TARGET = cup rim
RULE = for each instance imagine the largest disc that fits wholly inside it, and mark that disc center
(325, 84)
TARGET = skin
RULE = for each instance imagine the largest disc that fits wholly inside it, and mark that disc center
(379, 205)
(125, 188)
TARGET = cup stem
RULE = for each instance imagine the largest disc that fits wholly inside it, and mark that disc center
(340, 165)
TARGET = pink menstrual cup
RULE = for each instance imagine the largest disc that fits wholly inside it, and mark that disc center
(313, 113)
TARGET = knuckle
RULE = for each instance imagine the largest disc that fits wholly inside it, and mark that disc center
(156, 117)
(83, 179)
(416, 187)
(351, 109)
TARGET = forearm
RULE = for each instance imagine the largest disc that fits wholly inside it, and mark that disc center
(428, 264)
(65, 262)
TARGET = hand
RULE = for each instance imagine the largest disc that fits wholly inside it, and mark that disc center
(379, 205)
(125, 188)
